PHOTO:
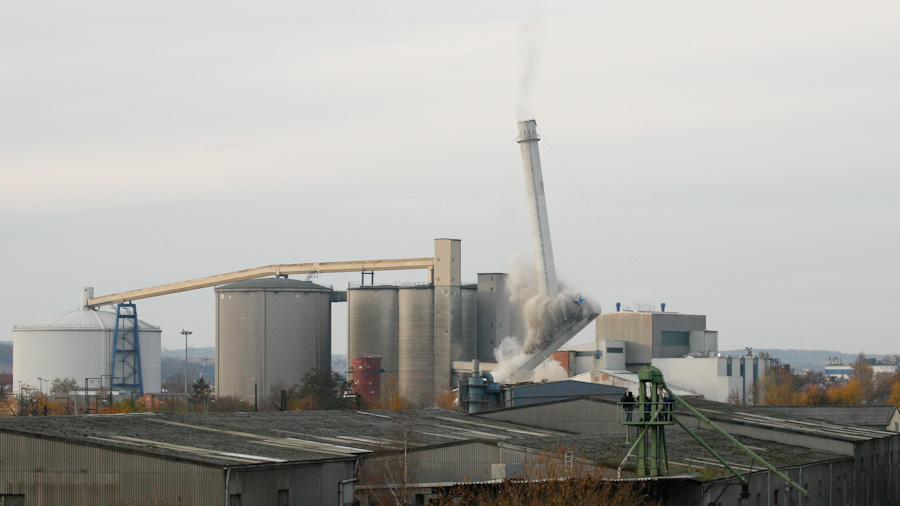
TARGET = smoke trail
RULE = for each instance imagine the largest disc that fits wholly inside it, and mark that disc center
(529, 38)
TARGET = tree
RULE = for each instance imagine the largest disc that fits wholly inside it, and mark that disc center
(895, 395)
(200, 393)
(777, 387)
(863, 373)
(734, 397)
(324, 390)
(845, 395)
(63, 386)
(391, 398)
(445, 399)
(812, 395)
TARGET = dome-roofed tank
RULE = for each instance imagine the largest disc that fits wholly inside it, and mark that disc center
(270, 332)
(76, 344)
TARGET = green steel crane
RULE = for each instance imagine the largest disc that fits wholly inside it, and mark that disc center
(649, 415)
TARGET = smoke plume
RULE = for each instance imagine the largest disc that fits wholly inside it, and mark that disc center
(540, 317)
(529, 38)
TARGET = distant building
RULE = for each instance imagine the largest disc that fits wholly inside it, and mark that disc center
(679, 345)
(837, 369)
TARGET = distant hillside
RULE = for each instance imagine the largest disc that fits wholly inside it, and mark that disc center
(800, 359)
(208, 352)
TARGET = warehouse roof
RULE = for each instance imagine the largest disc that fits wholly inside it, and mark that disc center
(684, 453)
(254, 438)
(864, 416)
(786, 422)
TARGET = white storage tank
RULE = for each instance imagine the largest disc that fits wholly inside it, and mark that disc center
(270, 332)
(77, 344)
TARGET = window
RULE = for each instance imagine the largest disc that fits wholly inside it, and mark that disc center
(728, 370)
(284, 497)
(669, 338)
(615, 350)
(12, 500)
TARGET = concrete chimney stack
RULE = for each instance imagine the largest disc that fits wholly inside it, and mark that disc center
(540, 225)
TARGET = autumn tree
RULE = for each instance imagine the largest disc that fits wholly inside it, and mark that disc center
(812, 395)
(849, 394)
(445, 399)
(894, 399)
(390, 396)
(777, 387)
(863, 373)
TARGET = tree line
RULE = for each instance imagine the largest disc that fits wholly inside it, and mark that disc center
(780, 387)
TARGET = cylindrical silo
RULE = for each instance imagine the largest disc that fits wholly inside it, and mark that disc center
(270, 332)
(77, 345)
(416, 344)
(373, 327)
(467, 348)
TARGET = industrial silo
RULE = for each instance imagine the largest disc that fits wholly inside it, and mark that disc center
(416, 344)
(77, 345)
(467, 349)
(373, 327)
(270, 332)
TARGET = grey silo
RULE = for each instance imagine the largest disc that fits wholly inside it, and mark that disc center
(416, 344)
(467, 348)
(269, 333)
(373, 326)
(495, 313)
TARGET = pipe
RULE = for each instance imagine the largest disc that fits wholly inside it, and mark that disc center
(540, 225)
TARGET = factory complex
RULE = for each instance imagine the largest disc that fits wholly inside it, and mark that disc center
(644, 403)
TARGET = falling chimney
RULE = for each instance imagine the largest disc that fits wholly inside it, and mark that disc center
(540, 225)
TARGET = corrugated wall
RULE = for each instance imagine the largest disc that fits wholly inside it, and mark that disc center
(52, 473)
(580, 416)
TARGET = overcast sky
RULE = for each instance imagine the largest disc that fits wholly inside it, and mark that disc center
(733, 160)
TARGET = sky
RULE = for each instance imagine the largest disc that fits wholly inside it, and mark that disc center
(734, 160)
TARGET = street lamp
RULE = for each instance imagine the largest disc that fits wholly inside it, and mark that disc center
(186, 334)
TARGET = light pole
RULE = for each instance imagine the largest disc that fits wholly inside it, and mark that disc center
(186, 334)
(255, 403)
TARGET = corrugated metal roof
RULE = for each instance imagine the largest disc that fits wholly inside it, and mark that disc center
(80, 319)
(229, 438)
(284, 284)
(865, 416)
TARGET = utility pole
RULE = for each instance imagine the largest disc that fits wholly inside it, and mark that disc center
(186, 334)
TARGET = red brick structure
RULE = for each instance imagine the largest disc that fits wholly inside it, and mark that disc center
(366, 375)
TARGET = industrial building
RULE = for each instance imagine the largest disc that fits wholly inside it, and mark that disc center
(678, 344)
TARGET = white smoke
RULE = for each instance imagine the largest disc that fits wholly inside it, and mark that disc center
(529, 37)
(540, 317)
